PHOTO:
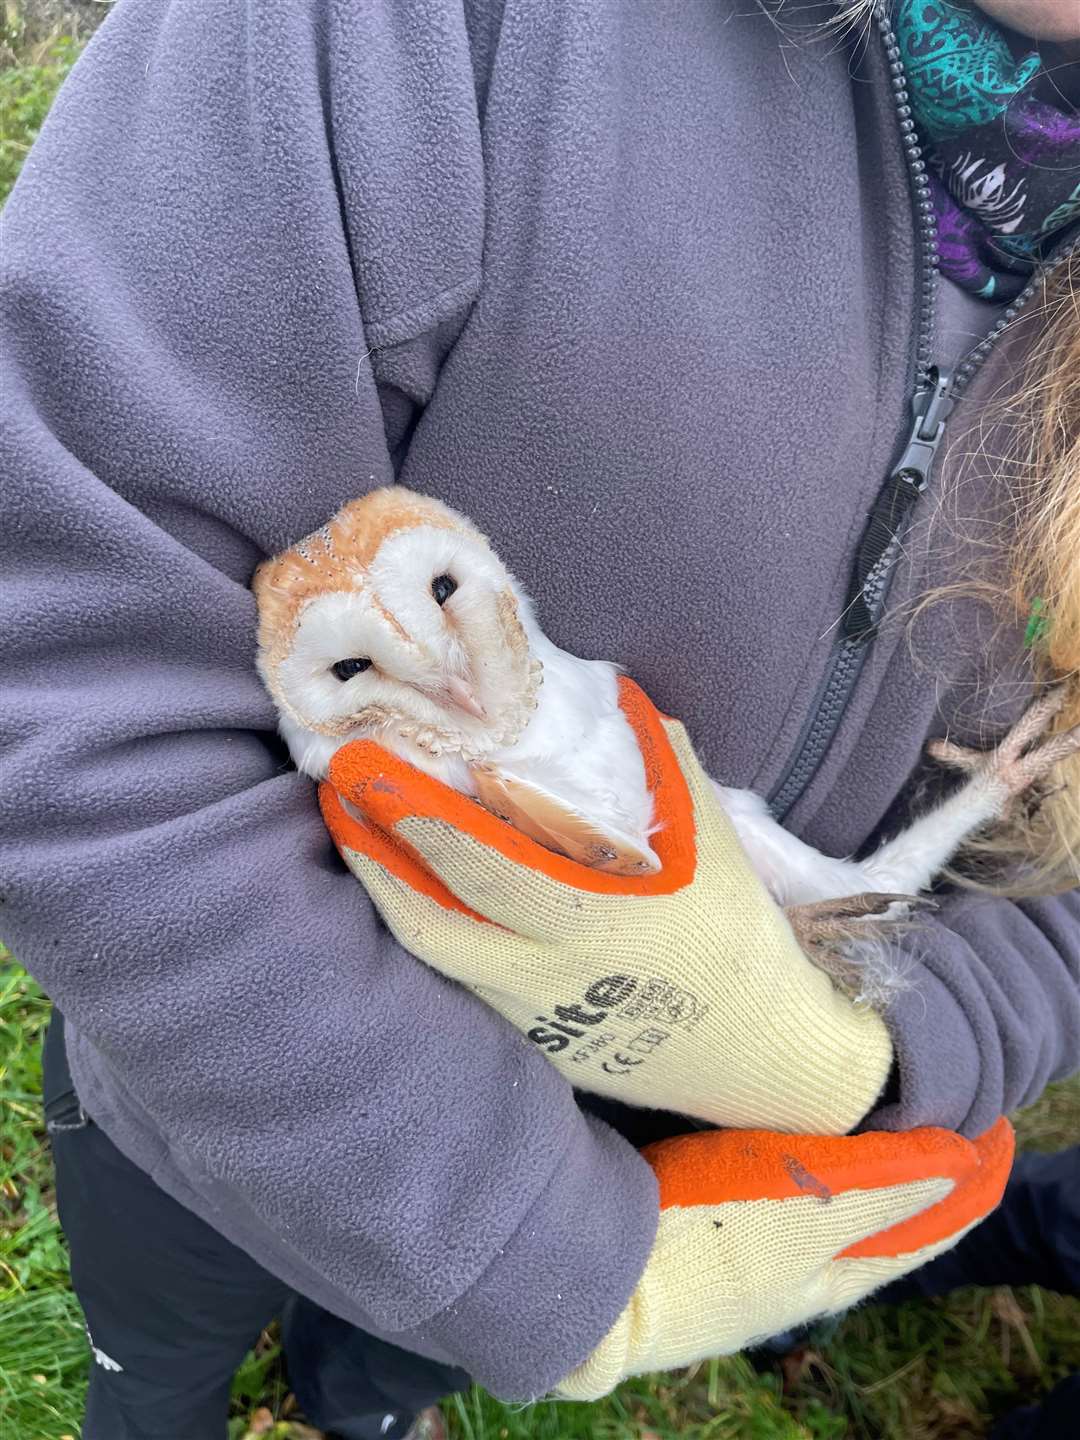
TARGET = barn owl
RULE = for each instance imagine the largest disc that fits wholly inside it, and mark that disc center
(397, 622)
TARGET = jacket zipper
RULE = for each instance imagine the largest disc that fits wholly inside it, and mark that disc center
(935, 393)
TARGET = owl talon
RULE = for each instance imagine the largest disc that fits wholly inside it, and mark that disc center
(823, 925)
(1024, 757)
(829, 933)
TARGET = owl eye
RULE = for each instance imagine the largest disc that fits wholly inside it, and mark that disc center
(346, 669)
(442, 587)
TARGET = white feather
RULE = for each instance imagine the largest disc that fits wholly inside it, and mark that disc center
(576, 743)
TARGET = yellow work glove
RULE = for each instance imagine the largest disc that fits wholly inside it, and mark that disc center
(683, 990)
(759, 1232)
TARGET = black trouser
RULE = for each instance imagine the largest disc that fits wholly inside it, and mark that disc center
(172, 1307)
(1033, 1238)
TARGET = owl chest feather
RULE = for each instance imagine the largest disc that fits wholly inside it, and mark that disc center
(577, 744)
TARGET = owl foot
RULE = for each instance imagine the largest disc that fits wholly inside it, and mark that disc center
(823, 923)
(834, 935)
(1025, 756)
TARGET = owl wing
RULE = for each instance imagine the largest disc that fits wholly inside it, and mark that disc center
(559, 825)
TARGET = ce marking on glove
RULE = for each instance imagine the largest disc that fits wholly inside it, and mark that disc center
(620, 1059)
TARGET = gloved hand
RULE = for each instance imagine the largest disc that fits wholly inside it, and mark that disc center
(759, 1232)
(683, 990)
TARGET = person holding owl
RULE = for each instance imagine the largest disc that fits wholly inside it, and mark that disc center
(724, 338)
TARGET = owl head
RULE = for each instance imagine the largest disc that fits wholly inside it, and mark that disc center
(395, 621)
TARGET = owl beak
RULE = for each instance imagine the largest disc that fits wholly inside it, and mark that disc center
(460, 693)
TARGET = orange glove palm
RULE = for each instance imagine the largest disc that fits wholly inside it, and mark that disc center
(759, 1232)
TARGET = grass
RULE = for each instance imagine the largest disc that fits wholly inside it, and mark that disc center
(36, 52)
(917, 1372)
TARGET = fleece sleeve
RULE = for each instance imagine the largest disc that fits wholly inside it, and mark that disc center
(233, 263)
(991, 1013)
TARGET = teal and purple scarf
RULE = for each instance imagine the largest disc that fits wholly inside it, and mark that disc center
(1002, 145)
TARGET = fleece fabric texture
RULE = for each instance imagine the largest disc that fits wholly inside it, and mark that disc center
(530, 257)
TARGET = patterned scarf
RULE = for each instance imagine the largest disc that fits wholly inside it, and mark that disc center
(1002, 145)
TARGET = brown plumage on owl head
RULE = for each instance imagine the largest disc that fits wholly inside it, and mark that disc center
(395, 621)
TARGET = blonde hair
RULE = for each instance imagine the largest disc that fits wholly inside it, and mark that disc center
(1039, 583)
(852, 17)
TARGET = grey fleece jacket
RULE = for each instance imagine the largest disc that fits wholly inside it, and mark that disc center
(635, 289)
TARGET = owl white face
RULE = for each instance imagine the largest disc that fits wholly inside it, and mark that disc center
(417, 649)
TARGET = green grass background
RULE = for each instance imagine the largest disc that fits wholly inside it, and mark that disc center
(915, 1372)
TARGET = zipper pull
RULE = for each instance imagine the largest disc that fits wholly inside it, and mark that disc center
(931, 408)
(907, 480)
